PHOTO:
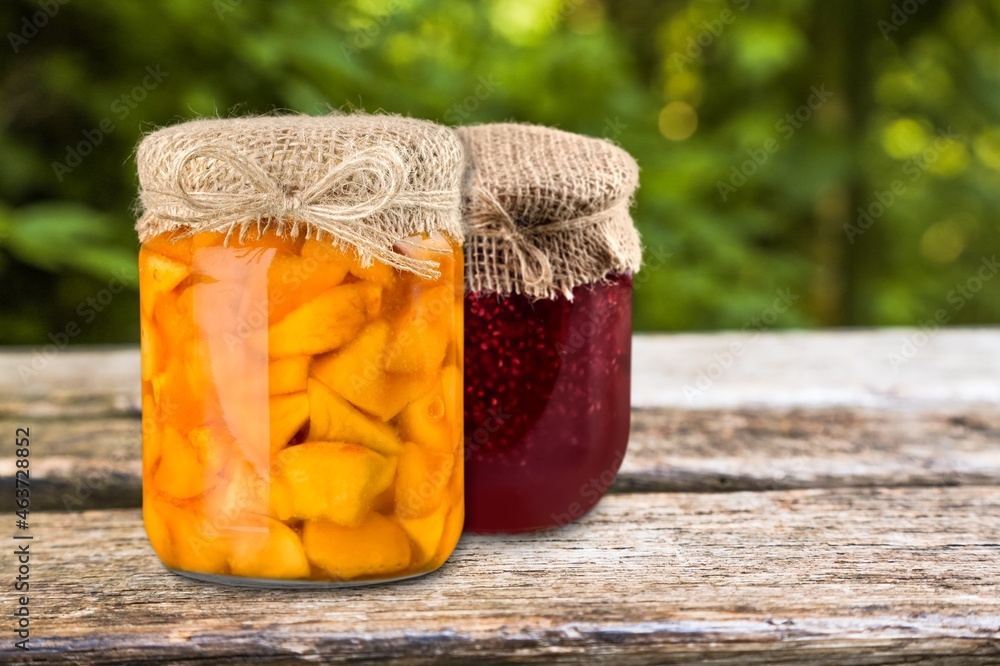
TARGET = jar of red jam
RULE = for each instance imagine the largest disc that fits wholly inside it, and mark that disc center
(550, 253)
(301, 309)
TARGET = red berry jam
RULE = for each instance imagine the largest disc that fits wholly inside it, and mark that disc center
(546, 404)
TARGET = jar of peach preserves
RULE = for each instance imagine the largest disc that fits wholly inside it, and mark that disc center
(301, 301)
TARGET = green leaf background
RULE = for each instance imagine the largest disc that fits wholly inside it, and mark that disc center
(688, 87)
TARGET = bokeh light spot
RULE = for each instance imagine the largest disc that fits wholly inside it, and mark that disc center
(678, 121)
(943, 242)
(525, 22)
(987, 148)
(952, 159)
(904, 138)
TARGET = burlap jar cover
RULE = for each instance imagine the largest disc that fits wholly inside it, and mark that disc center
(546, 211)
(363, 181)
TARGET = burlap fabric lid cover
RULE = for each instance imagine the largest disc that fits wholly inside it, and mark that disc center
(546, 210)
(362, 181)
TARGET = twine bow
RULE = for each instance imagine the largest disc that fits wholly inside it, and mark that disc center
(363, 184)
(533, 261)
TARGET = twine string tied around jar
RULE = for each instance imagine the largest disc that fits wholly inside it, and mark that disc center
(361, 185)
(532, 258)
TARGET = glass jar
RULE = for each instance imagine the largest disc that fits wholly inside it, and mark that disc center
(550, 250)
(301, 414)
(546, 404)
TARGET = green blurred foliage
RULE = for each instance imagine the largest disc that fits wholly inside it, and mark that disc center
(697, 90)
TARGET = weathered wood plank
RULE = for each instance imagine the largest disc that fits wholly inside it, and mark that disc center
(782, 370)
(94, 382)
(92, 463)
(894, 367)
(771, 421)
(775, 449)
(842, 576)
(83, 463)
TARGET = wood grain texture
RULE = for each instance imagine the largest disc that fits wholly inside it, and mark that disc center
(78, 463)
(872, 535)
(776, 449)
(890, 367)
(833, 576)
(91, 463)
(94, 382)
(780, 369)
(793, 410)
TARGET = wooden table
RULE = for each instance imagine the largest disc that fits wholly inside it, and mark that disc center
(814, 503)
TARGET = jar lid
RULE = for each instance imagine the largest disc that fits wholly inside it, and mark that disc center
(546, 211)
(364, 181)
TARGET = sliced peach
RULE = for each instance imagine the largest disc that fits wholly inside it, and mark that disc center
(377, 273)
(231, 264)
(207, 239)
(172, 246)
(288, 375)
(281, 503)
(179, 474)
(149, 352)
(385, 503)
(452, 531)
(423, 331)
(425, 533)
(216, 309)
(424, 422)
(356, 373)
(326, 322)
(293, 281)
(288, 413)
(156, 527)
(174, 320)
(283, 242)
(197, 544)
(323, 251)
(326, 252)
(152, 436)
(452, 381)
(394, 393)
(230, 311)
(268, 549)
(359, 363)
(176, 396)
(333, 419)
(332, 480)
(376, 547)
(435, 420)
(456, 517)
(242, 422)
(242, 492)
(212, 446)
(158, 274)
(244, 415)
(185, 383)
(421, 480)
(456, 486)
